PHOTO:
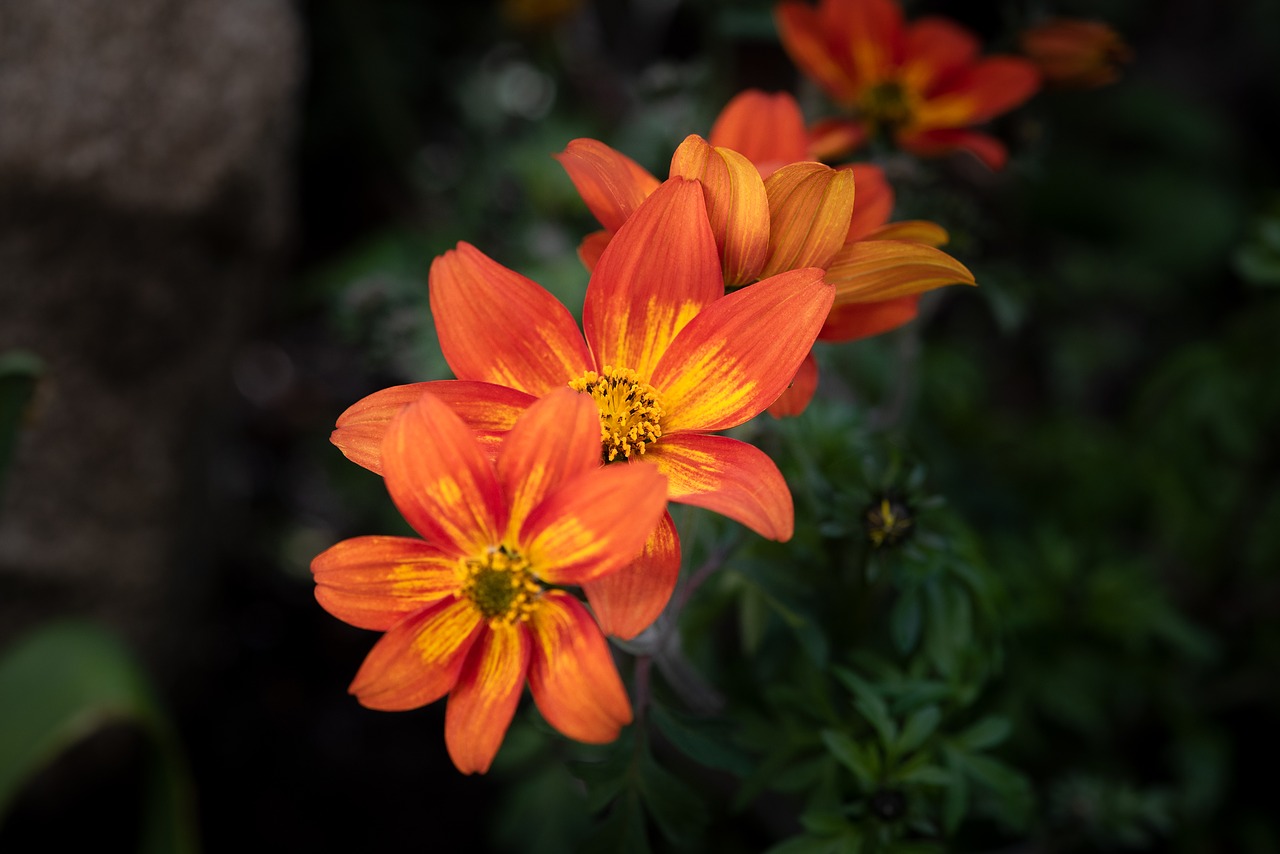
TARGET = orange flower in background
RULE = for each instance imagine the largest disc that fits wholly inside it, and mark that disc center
(922, 84)
(466, 609)
(1074, 53)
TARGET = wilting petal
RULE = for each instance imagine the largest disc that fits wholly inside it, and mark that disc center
(612, 184)
(795, 399)
(864, 319)
(809, 209)
(555, 441)
(497, 326)
(931, 143)
(912, 231)
(935, 47)
(485, 697)
(571, 674)
(659, 271)
(737, 205)
(873, 202)
(805, 40)
(488, 409)
(766, 129)
(986, 89)
(627, 601)
(595, 523)
(739, 354)
(832, 139)
(441, 480)
(592, 247)
(877, 270)
(730, 477)
(374, 582)
(419, 660)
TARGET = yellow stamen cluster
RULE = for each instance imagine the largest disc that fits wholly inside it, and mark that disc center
(630, 412)
(886, 106)
(500, 585)
(888, 522)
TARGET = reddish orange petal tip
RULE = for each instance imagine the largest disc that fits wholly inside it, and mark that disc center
(767, 129)
(795, 400)
(626, 602)
(374, 582)
(611, 184)
(484, 700)
(855, 321)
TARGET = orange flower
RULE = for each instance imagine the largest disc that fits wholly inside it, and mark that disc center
(465, 609)
(922, 84)
(1074, 53)
(770, 213)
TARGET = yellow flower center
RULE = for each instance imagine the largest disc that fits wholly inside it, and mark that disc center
(500, 585)
(888, 522)
(630, 412)
(887, 106)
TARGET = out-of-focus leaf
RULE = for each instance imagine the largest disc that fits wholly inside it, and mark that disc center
(904, 621)
(917, 728)
(698, 740)
(862, 760)
(677, 810)
(984, 734)
(19, 373)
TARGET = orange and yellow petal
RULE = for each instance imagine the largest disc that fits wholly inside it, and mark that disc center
(809, 209)
(932, 143)
(986, 89)
(873, 202)
(871, 32)
(729, 477)
(488, 409)
(934, 48)
(912, 231)
(441, 480)
(795, 399)
(594, 524)
(877, 270)
(611, 184)
(657, 272)
(497, 326)
(1075, 53)
(862, 320)
(627, 601)
(767, 129)
(556, 440)
(737, 205)
(831, 139)
(419, 659)
(741, 352)
(484, 700)
(374, 582)
(571, 673)
(805, 39)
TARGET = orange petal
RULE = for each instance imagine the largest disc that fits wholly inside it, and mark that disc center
(659, 270)
(1075, 53)
(767, 129)
(935, 47)
(739, 354)
(612, 184)
(374, 582)
(912, 231)
(483, 702)
(497, 326)
(592, 247)
(809, 210)
(795, 399)
(877, 270)
(419, 660)
(489, 410)
(571, 674)
(737, 205)
(874, 201)
(864, 319)
(806, 41)
(871, 32)
(441, 480)
(932, 143)
(594, 524)
(730, 477)
(992, 86)
(832, 139)
(626, 602)
(556, 440)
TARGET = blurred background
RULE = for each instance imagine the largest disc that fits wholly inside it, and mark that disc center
(216, 220)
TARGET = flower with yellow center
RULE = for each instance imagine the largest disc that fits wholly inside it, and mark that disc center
(471, 610)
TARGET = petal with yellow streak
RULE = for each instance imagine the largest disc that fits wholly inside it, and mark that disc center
(767, 129)
(594, 524)
(441, 480)
(419, 659)
(626, 602)
(986, 89)
(739, 354)
(831, 139)
(806, 41)
(657, 272)
(870, 33)
(912, 231)
(488, 409)
(795, 399)
(556, 440)
(374, 582)
(935, 47)
(737, 205)
(877, 270)
(611, 184)
(809, 210)
(729, 477)
(497, 326)
(483, 702)
(572, 675)
(864, 319)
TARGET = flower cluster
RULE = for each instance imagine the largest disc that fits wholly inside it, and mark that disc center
(539, 478)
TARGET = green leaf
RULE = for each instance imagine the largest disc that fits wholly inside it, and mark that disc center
(622, 831)
(701, 741)
(904, 621)
(806, 845)
(861, 760)
(984, 734)
(677, 810)
(917, 728)
(955, 804)
(871, 705)
(927, 775)
(64, 682)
